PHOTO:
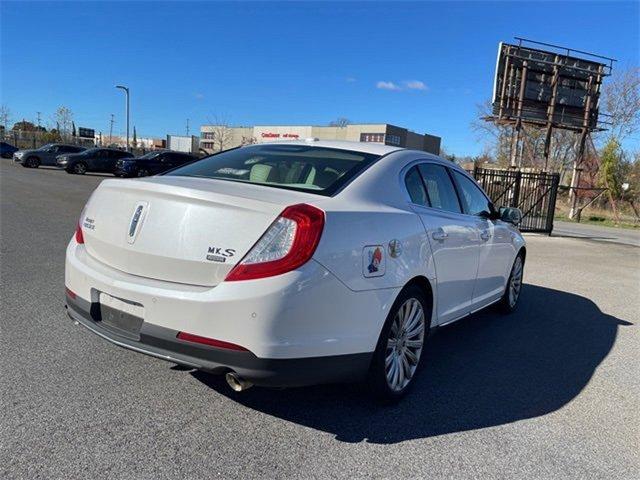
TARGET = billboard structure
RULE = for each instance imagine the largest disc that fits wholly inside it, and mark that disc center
(547, 86)
(86, 132)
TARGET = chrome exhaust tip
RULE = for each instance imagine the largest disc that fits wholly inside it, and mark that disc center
(237, 383)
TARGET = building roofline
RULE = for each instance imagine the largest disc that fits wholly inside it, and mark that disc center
(363, 147)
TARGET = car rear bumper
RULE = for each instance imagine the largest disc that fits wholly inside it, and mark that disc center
(161, 342)
(305, 313)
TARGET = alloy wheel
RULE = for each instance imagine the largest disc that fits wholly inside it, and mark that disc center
(404, 345)
(80, 168)
(515, 284)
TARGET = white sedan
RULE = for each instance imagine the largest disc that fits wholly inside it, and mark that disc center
(294, 263)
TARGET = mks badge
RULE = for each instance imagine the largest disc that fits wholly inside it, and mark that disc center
(217, 254)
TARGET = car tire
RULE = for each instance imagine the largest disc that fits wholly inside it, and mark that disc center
(143, 172)
(32, 162)
(509, 300)
(79, 168)
(400, 349)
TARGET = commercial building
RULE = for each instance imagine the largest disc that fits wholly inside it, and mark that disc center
(183, 143)
(214, 138)
(119, 141)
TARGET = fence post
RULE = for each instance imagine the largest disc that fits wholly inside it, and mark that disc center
(516, 189)
(551, 211)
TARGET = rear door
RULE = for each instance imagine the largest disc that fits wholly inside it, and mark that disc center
(453, 237)
(97, 161)
(48, 157)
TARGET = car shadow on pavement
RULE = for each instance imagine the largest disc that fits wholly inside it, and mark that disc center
(484, 371)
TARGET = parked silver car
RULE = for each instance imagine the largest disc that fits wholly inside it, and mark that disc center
(45, 155)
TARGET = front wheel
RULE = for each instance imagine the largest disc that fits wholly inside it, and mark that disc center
(399, 351)
(32, 162)
(79, 168)
(509, 300)
(143, 172)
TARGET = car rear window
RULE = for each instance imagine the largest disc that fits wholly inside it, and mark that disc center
(297, 167)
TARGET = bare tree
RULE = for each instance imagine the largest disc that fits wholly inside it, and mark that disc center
(5, 116)
(340, 122)
(498, 142)
(64, 120)
(497, 138)
(621, 99)
(248, 140)
(222, 132)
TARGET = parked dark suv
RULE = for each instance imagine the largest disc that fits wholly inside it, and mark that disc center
(92, 160)
(152, 163)
(45, 155)
(7, 150)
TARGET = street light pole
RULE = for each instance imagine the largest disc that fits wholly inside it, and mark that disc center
(126, 91)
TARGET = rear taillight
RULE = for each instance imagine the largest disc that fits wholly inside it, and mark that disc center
(79, 235)
(286, 245)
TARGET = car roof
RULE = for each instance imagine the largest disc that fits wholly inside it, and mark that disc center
(363, 147)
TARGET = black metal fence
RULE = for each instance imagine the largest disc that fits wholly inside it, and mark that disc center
(533, 193)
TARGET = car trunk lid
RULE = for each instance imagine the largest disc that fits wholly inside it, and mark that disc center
(179, 229)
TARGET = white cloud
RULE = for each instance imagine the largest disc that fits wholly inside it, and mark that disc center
(351, 79)
(199, 96)
(387, 86)
(415, 85)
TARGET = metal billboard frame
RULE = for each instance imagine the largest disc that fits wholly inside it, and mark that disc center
(555, 87)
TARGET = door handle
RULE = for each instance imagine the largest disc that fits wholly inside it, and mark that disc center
(484, 236)
(439, 235)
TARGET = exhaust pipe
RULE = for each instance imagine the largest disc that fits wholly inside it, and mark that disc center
(236, 382)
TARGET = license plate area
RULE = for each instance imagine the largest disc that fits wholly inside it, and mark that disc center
(123, 317)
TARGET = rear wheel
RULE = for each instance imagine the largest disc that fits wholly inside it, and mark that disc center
(399, 351)
(79, 168)
(509, 300)
(32, 162)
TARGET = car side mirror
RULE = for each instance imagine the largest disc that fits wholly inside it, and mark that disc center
(511, 215)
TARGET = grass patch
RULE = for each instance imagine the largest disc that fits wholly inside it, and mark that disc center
(598, 220)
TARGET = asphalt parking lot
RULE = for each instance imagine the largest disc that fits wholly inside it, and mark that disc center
(551, 391)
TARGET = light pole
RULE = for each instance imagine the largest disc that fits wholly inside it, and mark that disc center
(126, 91)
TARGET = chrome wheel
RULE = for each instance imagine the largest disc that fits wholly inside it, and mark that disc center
(515, 284)
(404, 344)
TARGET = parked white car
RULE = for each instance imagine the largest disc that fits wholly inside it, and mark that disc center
(293, 263)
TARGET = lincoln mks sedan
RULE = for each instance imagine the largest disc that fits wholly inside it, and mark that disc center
(294, 263)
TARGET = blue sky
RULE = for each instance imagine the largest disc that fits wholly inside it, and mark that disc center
(284, 63)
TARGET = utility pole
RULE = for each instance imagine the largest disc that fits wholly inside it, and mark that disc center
(39, 113)
(111, 129)
(187, 127)
(126, 91)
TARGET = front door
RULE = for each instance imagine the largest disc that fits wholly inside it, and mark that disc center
(496, 251)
